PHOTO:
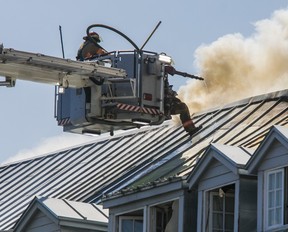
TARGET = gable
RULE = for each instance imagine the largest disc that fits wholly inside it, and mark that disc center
(272, 152)
(215, 174)
(220, 164)
(40, 222)
(275, 156)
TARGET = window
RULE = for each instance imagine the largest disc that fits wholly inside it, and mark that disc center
(131, 223)
(164, 217)
(220, 209)
(222, 212)
(160, 220)
(274, 208)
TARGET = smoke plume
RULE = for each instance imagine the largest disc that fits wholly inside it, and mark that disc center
(235, 67)
(49, 145)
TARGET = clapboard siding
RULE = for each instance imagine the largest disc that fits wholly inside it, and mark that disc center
(276, 156)
(215, 174)
(215, 168)
(40, 222)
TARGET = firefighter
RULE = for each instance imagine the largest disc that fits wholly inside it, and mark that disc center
(89, 48)
(174, 105)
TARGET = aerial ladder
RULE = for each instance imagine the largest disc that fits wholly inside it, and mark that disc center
(116, 91)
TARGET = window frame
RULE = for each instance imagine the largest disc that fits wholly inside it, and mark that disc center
(210, 210)
(204, 204)
(153, 208)
(153, 218)
(266, 198)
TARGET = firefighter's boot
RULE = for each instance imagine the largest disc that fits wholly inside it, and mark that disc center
(190, 127)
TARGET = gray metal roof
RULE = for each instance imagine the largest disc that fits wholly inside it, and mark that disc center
(84, 173)
(283, 131)
(235, 155)
(65, 212)
(243, 124)
(62, 208)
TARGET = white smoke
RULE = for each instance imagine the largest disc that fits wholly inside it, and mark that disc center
(235, 67)
(50, 145)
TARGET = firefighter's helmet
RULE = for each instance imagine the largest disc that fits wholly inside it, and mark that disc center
(94, 35)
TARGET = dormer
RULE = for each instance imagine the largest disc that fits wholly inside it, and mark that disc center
(227, 195)
(270, 164)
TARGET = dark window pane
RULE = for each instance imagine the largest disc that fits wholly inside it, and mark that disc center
(217, 221)
(127, 225)
(138, 225)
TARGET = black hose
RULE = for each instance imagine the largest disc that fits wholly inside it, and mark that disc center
(112, 29)
(95, 81)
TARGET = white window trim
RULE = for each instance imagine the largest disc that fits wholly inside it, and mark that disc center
(265, 213)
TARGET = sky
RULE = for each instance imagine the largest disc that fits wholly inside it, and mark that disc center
(27, 124)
